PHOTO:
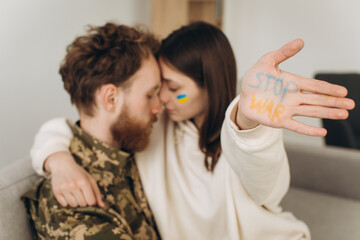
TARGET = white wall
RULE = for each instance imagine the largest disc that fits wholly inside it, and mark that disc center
(330, 29)
(33, 38)
(34, 35)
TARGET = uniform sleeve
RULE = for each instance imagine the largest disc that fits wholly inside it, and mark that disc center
(258, 158)
(54, 136)
(50, 220)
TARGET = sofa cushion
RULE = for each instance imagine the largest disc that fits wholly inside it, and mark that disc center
(331, 170)
(329, 217)
(15, 180)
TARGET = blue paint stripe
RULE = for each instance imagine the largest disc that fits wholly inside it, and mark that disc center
(181, 96)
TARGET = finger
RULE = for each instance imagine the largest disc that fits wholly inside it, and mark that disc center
(60, 198)
(97, 192)
(318, 86)
(327, 101)
(79, 197)
(285, 52)
(89, 194)
(302, 128)
(321, 112)
(70, 199)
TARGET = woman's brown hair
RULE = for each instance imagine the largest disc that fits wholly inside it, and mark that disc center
(202, 52)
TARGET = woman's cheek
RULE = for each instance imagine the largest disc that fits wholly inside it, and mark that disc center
(182, 98)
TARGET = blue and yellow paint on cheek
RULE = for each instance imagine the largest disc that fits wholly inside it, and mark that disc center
(182, 98)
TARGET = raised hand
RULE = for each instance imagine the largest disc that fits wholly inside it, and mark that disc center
(272, 97)
(71, 184)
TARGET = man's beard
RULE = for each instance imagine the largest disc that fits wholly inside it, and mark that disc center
(130, 134)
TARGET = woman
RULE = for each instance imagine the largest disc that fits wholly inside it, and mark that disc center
(203, 186)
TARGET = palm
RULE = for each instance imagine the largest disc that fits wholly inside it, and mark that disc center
(271, 97)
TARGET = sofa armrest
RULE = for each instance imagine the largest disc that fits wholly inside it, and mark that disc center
(325, 169)
(15, 180)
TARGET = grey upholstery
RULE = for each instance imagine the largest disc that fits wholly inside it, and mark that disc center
(329, 217)
(14, 181)
(325, 190)
(332, 170)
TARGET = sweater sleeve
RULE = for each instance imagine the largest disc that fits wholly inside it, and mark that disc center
(258, 158)
(54, 136)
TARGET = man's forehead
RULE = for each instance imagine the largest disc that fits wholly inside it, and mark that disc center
(148, 75)
(147, 82)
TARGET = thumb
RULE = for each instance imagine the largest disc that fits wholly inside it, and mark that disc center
(287, 51)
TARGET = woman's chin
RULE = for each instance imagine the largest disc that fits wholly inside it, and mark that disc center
(174, 117)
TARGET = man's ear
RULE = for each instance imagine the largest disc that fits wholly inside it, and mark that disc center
(109, 97)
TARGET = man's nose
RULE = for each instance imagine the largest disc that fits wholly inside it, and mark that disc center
(156, 107)
(163, 94)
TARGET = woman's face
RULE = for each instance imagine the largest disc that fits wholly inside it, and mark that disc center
(181, 96)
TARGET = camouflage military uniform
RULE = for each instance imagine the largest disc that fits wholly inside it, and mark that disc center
(126, 215)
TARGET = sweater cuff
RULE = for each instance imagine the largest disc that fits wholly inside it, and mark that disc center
(42, 155)
(53, 136)
(251, 139)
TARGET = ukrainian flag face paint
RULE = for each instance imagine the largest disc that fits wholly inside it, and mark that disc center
(182, 98)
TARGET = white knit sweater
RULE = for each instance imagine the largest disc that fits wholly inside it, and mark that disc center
(239, 200)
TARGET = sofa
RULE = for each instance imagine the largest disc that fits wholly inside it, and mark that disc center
(325, 190)
(324, 193)
(15, 180)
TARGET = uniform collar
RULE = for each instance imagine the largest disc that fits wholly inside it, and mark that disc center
(97, 145)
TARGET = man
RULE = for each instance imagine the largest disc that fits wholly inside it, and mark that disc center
(107, 72)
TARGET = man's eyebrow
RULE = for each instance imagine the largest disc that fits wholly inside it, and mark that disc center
(155, 88)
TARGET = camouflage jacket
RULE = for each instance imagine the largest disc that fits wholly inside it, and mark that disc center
(127, 214)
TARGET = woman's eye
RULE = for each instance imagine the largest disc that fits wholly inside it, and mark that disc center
(173, 89)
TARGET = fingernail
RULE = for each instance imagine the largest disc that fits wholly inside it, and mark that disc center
(342, 92)
(351, 104)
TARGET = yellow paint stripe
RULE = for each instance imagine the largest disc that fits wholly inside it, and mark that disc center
(182, 100)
